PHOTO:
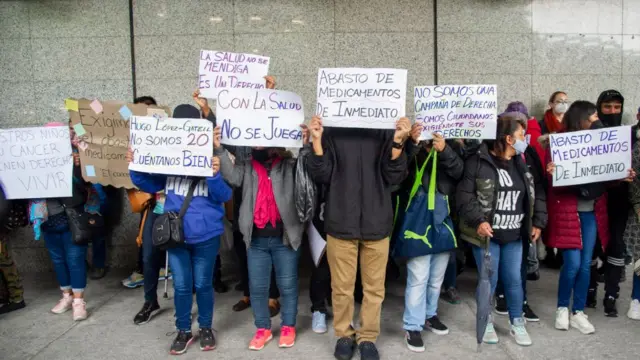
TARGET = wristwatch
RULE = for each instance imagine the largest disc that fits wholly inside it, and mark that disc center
(398, 145)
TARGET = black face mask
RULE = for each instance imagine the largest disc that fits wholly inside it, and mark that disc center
(596, 125)
(260, 155)
(611, 119)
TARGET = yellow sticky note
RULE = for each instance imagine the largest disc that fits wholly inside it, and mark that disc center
(71, 104)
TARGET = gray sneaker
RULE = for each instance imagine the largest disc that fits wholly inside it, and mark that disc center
(490, 335)
(519, 332)
(319, 322)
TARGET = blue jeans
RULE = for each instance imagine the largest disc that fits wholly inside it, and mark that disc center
(68, 260)
(99, 252)
(576, 269)
(506, 259)
(151, 260)
(424, 278)
(451, 274)
(193, 265)
(523, 273)
(264, 253)
(635, 293)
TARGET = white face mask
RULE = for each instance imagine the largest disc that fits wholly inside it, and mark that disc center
(561, 108)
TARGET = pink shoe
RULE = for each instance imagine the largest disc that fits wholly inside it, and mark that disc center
(63, 305)
(79, 310)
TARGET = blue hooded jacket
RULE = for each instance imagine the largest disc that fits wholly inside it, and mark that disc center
(204, 217)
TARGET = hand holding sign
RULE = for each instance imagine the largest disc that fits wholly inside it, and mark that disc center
(403, 129)
(215, 165)
(216, 137)
(202, 103)
(416, 131)
(316, 128)
(270, 82)
(438, 142)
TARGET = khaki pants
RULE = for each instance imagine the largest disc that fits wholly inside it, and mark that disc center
(343, 262)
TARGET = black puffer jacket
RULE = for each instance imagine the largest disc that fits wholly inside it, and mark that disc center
(476, 196)
(358, 170)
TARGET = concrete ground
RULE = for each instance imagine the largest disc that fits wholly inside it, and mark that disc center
(109, 333)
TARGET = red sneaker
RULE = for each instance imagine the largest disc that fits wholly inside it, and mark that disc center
(260, 339)
(287, 337)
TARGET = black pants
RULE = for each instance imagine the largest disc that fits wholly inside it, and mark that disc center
(613, 259)
(320, 286)
(217, 273)
(241, 253)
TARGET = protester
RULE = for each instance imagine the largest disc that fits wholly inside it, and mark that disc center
(13, 214)
(111, 203)
(192, 264)
(632, 234)
(609, 111)
(499, 207)
(267, 213)
(358, 221)
(50, 220)
(425, 273)
(320, 282)
(578, 214)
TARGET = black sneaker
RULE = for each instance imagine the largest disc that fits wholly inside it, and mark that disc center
(207, 340)
(12, 306)
(436, 326)
(414, 341)
(501, 305)
(610, 307)
(181, 343)
(591, 299)
(145, 314)
(528, 314)
(345, 347)
(368, 351)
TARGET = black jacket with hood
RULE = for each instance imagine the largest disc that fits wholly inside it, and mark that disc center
(356, 166)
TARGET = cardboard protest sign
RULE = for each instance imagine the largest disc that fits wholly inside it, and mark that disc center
(361, 98)
(171, 146)
(36, 163)
(227, 70)
(104, 139)
(270, 118)
(457, 111)
(589, 156)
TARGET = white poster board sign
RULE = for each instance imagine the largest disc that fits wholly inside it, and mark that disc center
(171, 146)
(227, 70)
(317, 244)
(457, 111)
(588, 156)
(270, 118)
(361, 98)
(36, 163)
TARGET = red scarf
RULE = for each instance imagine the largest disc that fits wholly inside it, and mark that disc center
(266, 209)
(552, 123)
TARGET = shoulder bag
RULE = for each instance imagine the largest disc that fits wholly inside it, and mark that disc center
(168, 231)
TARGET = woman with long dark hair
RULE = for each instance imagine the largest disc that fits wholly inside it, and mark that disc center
(499, 205)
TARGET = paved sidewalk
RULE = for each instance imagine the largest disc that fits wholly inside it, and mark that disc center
(109, 333)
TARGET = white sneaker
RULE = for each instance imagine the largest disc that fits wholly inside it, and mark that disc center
(634, 310)
(519, 332)
(79, 310)
(63, 305)
(490, 335)
(562, 318)
(580, 321)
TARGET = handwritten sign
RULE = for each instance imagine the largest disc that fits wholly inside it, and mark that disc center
(589, 156)
(361, 98)
(226, 70)
(268, 118)
(171, 146)
(36, 163)
(104, 140)
(457, 111)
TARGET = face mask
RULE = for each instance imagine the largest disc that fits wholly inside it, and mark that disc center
(520, 146)
(611, 119)
(561, 108)
(260, 155)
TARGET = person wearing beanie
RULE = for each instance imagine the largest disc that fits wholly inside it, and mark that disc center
(192, 265)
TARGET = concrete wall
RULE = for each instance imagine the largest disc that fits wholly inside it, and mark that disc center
(51, 50)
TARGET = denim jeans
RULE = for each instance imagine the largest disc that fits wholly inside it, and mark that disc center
(576, 269)
(68, 260)
(99, 252)
(193, 265)
(451, 274)
(263, 253)
(151, 260)
(506, 259)
(635, 292)
(523, 273)
(424, 278)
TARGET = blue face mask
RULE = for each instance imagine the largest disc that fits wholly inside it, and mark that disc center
(520, 146)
